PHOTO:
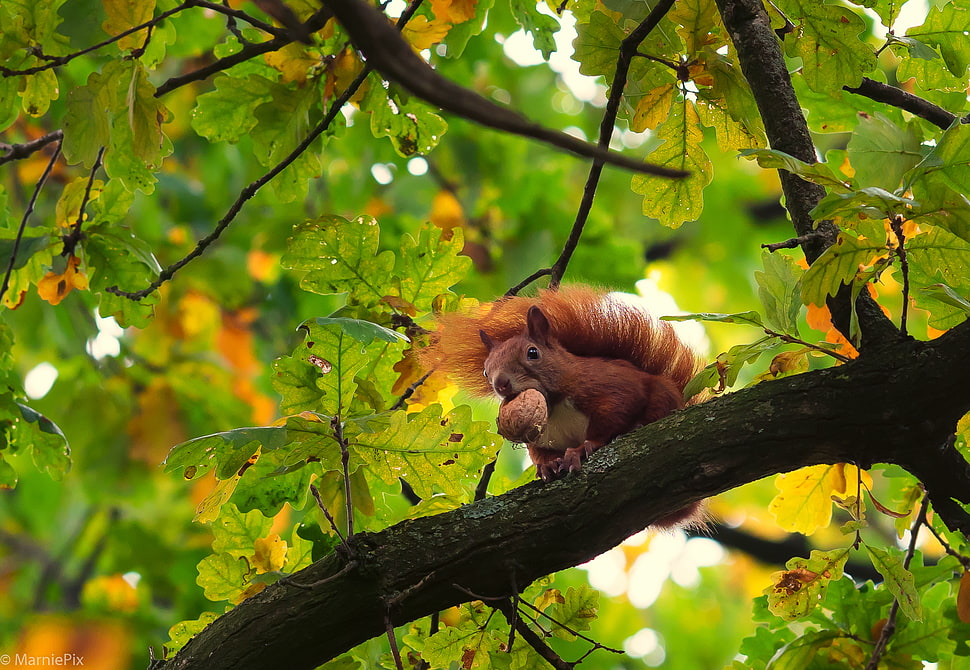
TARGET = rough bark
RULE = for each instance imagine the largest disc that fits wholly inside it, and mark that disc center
(898, 404)
(764, 67)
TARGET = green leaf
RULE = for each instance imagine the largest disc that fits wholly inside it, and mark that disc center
(872, 203)
(839, 264)
(38, 92)
(597, 45)
(222, 577)
(881, 152)
(227, 452)
(432, 452)
(799, 653)
(282, 124)
(542, 26)
(430, 264)
(897, 579)
(819, 173)
(28, 247)
(676, 201)
(228, 112)
(827, 41)
(946, 28)
(117, 258)
(182, 632)
(49, 448)
(235, 532)
(796, 592)
(947, 295)
(341, 256)
(577, 610)
(411, 125)
(362, 331)
(937, 256)
(751, 318)
(780, 291)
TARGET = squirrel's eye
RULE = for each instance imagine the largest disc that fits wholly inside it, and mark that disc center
(532, 354)
(485, 372)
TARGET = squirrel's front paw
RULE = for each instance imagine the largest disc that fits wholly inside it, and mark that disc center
(551, 470)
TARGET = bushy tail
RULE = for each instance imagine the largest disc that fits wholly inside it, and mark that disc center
(585, 321)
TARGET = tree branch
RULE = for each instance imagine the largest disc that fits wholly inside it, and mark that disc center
(849, 413)
(896, 97)
(765, 69)
(394, 58)
(13, 152)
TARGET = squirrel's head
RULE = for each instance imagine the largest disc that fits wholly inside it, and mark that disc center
(529, 360)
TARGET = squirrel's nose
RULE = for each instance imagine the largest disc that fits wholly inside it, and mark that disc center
(503, 386)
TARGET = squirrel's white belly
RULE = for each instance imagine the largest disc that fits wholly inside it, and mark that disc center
(565, 428)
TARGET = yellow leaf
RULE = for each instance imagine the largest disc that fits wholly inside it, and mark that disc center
(446, 211)
(455, 11)
(270, 554)
(198, 314)
(208, 509)
(341, 71)
(54, 287)
(804, 502)
(653, 108)
(124, 15)
(69, 204)
(293, 61)
(423, 34)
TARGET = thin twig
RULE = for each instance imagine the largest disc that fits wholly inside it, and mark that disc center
(250, 190)
(792, 243)
(964, 560)
(249, 51)
(538, 274)
(338, 432)
(26, 216)
(290, 581)
(791, 339)
(392, 641)
(13, 152)
(896, 97)
(531, 638)
(410, 392)
(63, 60)
(326, 512)
(397, 61)
(890, 627)
(72, 238)
(481, 490)
(628, 49)
(896, 223)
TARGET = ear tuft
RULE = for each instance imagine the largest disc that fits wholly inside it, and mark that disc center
(538, 324)
(486, 340)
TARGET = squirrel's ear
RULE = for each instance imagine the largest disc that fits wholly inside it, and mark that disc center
(538, 325)
(486, 340)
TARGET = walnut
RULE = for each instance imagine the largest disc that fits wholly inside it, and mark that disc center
(524, 417)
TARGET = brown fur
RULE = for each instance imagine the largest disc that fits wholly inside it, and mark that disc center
(581, 322)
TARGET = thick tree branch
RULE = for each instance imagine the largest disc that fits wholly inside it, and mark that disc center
(763, 65)
(850, 413)
(394, 58)
(897, 97)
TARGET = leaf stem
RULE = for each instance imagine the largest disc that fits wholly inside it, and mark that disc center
(896, 223)
(890, 627)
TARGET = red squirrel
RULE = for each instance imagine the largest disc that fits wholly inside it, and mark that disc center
(603, 366)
